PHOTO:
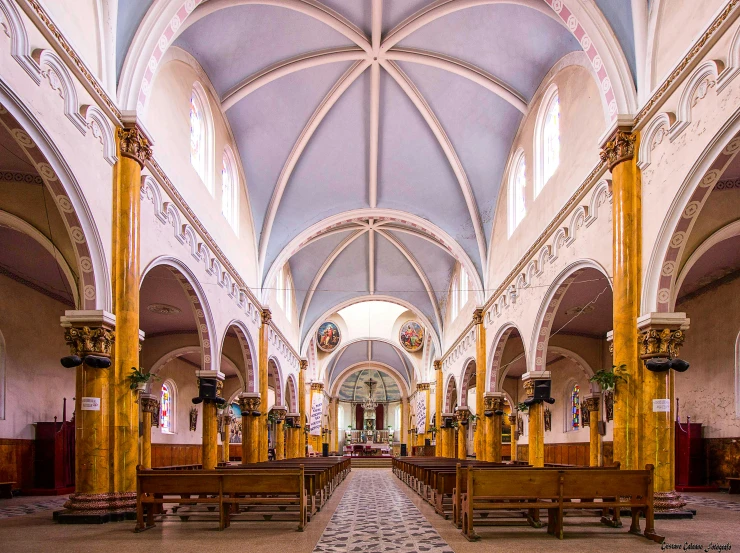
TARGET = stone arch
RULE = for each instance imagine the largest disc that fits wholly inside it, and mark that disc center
(451, 396)
(246, 344)
(93, 282)
(549, 307)
(665, 259)
(199, 303)
(497, 350)
(273, 370)
(578, 360)
(291, 395)
(467, 373)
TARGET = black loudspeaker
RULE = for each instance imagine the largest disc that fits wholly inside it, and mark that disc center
(542, 390)
(403, 450)
(71, 361)
(207, 388)
(427, 442)
(324, 450)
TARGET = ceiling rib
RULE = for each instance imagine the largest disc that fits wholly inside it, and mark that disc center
(318, 116)
(441, 8)
(462, 69)
(377, 16)
(446, 144)
(286, 67)
(371, 262)
(419, 271)
(320, 273)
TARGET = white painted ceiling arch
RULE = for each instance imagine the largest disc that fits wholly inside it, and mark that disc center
(310, 332)
(370, 350)
(350, 370)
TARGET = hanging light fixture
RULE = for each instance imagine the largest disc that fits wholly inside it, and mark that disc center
(370, 404)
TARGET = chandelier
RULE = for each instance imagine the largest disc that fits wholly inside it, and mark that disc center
(370, 404)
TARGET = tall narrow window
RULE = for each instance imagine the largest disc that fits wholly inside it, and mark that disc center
(201, 135)
(464, 285)
(517, 190)
(575, 407)
(280, 288)
(288, 297)
(166, 409)
(454, 298)
(547, 139)
(229, 189)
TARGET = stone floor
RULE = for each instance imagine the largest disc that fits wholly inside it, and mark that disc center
(370, 512)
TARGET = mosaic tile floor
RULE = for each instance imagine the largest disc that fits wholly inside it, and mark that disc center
(10, 511)
(714, 503)
(375, 516)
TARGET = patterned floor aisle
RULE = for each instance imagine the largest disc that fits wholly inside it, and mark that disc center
(375, 516)
(10, 511)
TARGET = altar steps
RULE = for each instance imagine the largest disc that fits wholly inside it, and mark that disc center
(372, 462)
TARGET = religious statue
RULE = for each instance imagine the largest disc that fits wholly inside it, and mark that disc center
(193, 419)
(548, 420)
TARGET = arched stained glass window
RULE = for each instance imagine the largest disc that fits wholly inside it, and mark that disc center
(166, 409)
(547, 139)
(201, 135)
(229, 189)
(575, 406)
(517, 191)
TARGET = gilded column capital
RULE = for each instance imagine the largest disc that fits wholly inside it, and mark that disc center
(462, 415)
(529, 388)
(317, 386)
(135, 144)
(438, 365)
(279, 414)
(250, 404)
(591, 403)
(422, 386)
(149, 403)
(530, 380)
(266, 316)
(619, 148)
(512, 420)
(661, 334)
(478, 316)
(87, 340)
(303, 364)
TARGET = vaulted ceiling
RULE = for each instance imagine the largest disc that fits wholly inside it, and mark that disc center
(370, 355)
(374, 134)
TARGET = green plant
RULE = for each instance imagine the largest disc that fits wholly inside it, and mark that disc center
(138, 376)
(607, 378)
(522, 407)
(432, 430)
(271, 417)
(473, 417)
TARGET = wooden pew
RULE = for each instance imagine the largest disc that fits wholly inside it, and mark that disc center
(559, 490)
(222, 488)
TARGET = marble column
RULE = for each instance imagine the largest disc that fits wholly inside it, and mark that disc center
(448, 437)
(149, 406)
(228, 418)
(619, 154)
(210, 420)
(302, 409)
(135, 149)
(660, 335)
(438, 393)
(536, 420)
(427, 422)
(479, 440)
(264, 346)
(590, 415)
(280, 413)
(249, 403)
(462, 416)
(91, 333)
(495, 426)
(513, 422)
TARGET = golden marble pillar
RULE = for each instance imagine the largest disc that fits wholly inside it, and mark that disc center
(228, 419)
(90, 333)
(149, 406)
(292, 436)
(280, 414)
(486, 419)
(264, 345)
(495, 427)
(427, 422)
(590, 414)
(301, 447)
(513, 422)
(536, 420)
(134, 149)
(438, 393)
(618, 152)
(480, 380)
(249, 403)
(448, 438)
(661, 335)
(462, 416)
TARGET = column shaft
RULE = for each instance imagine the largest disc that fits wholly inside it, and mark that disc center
(462, 442)
(92, 442)
(487, 449)
(210, 436)
(134, 150)
(626, 251)
(261, 426)
(479, 439)
(536, 436)
(438, 392)
(594, 440)
(495, 440)
(513, 424)
(225, 445)
(279, 440)
(301, 440)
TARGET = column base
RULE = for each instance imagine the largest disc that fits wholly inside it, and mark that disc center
(668, 501)
(97, 508)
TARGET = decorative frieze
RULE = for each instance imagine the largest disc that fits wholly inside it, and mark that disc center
(422, 387)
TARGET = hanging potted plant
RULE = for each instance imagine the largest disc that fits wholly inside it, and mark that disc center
(607, 378)
(138, 379)
(522, 408)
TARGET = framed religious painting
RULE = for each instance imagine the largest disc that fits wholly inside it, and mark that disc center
(328, 336)
(411, 336)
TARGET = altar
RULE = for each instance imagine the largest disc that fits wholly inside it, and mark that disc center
(368, 450)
